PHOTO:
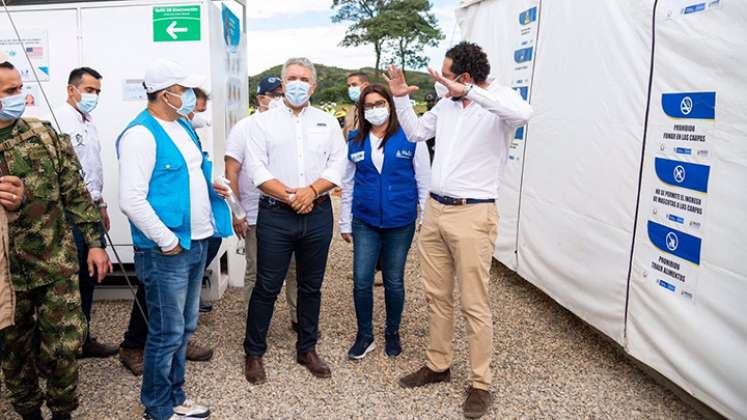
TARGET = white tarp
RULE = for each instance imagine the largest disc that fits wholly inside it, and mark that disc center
(575, 193)
(687, 315)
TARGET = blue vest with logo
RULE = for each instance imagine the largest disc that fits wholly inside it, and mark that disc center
(388, 199)
(168, 191)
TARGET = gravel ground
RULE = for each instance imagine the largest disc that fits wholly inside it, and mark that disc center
(547, 363)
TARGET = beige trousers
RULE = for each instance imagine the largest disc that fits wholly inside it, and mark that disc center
(250, 276)
(459, 242)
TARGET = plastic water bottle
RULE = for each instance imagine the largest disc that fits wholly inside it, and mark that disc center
(236, 209)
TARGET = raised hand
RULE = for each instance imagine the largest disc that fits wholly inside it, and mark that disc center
(397, 83)
(456, 89)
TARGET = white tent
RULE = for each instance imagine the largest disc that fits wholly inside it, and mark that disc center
(624, 198)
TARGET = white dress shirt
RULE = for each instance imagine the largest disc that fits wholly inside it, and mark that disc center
(137, 158)
(85, 140)
(472, 143)
(296, 149)
(421, 163)
(236, 149)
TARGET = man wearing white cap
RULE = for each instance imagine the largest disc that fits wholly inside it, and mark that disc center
(165, 192)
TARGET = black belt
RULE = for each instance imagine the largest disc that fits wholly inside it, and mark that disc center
(451, 201)
(275, 202)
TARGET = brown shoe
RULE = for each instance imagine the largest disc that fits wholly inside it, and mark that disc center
(94, 348)
(424, 376)
(254, 370)
(314, 364)
(132, 359)
(198, 353)
(477, 403)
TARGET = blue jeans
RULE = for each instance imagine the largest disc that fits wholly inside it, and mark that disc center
(172, 295)
(392, 245)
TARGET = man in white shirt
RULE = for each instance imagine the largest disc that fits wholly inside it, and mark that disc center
(296, 155)
(74, 117)
(473, 124)
(269, 94)
(165, 192)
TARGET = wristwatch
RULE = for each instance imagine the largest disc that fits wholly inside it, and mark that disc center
(467, 88)
(101, 203)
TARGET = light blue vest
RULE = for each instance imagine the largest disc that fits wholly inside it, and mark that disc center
(168, 191)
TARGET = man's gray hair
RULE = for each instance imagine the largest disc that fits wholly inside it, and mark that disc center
(300, 61)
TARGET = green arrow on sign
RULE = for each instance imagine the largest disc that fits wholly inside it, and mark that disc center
(176, 23)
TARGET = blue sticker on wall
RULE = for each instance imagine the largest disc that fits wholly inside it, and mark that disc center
(528, 16)
(523, 55)
(675, 242)
(231, 29)
(693, 105)
(692, 176)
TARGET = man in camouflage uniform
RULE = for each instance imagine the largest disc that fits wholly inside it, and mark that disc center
(49, 323)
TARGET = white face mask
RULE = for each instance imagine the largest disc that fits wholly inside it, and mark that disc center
(275, 103)
(199, 121)
(377, 116)
(441, 90)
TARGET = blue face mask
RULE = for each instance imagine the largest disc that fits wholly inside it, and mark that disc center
(297, 92)
(354, 93)
(88, 102)
(12, 107)
(189, 100)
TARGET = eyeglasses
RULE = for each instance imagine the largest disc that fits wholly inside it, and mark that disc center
(378, 104)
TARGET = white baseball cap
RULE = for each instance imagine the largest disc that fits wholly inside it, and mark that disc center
(164, 73)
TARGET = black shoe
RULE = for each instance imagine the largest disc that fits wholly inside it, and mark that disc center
(205, 308)
(393, 347)
(34, 415)
(361, 347)
(61, 416)
(94, 348)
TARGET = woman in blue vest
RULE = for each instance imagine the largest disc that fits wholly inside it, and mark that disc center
(386, 178)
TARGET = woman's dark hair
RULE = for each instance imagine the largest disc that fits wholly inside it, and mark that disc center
(364, 127)
(467, 57)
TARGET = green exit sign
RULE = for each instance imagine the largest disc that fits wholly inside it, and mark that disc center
(176, 23)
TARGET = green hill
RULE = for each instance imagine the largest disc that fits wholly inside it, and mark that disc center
(331, 83)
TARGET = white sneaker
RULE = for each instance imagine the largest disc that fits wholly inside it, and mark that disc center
(189, 410)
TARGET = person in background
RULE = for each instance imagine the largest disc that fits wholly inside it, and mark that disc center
(269, 95)
(458, 236)
(296, 156)
(74, 117)
(41, 182)
(356, 82)
(165, 192)
(197, 117)
(431, 98)
(132, 347)
(387, 176)
(198, 120)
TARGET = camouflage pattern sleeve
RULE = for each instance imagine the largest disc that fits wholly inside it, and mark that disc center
(75, 197)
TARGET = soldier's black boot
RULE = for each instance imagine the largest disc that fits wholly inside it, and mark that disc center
(34, 415)
(61, 416)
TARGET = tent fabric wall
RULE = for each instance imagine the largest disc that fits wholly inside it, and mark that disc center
(686, 314)
(583, 176)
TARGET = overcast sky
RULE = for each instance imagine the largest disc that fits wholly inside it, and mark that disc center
(279, 29)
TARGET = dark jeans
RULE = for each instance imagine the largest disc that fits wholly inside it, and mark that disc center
(137, 329)
(390, 246)
(280, 233)
(87, 284)
(172, 293)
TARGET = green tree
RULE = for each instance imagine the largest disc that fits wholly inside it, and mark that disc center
(363, 31)
(410, 28)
